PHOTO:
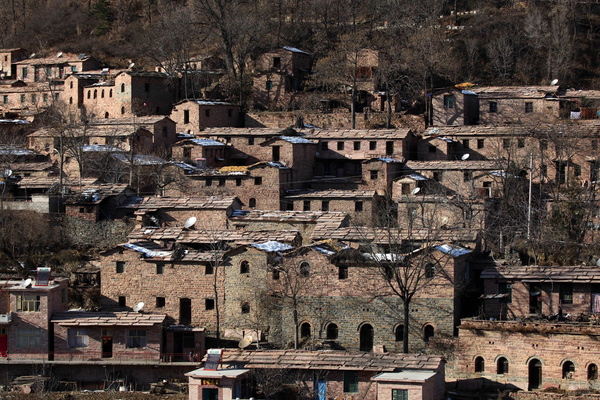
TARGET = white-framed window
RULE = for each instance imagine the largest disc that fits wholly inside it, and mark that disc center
(77, 337)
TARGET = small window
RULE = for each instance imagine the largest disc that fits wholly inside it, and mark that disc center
(356, 145)
(505, 288)
(493, 106)
(209, 304)
(594, 144)
(186, 116)
(276, 274)
(70, 100)
(438, 176)
(245, 308)
(406, 190)
(325, 205)
(208, 181)
(258, 180)
(56, 96)
(221, 181)
(95, 93)
(568, 369)
(429, 270)
(480, 143)
(120, 267)
(160, 302)
(358, 206)
(207, 113)
(506, 143)
(276, 62)
(544, 170)
(252, 203)
(110, 93)
(332, 332)
(238, 182)
(449, 101)
(250, 141)
(577, 170)
(146, 87)
(122, 88)
(22, 98)
(304, 269)
(342, 272)
(136, 338)
(340, 145)
(399, 394)
(465, 143)
(479, 364)
(372, 145)
(528, 107)
(122, 301)
(374, 174)
(306, 205)
(209, 269)
(566, 293)
(5, 99)
(244, 267)
(122, 110)
(350, 381)
(324, 146)
(269, 85)
(33, 98)
(28, 303)
(399, 333)
(428, 333)
(592, 372)
(305, 330)
(521, 143)
(502, 366)
(467, 176)
(160, 268)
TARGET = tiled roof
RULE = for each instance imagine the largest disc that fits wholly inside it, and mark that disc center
(382, 235)
(329, 360)
(334, 194)
(96, 193)
(514, 91)
(31, 166)
(321, 218)
(355, 133)
(450, 165)
(188, 203)
(149, 119)
(227, 131)
(91, 130)
(54, 59)
(47, 181)
(535, 273)
(182, 235)
(88, 318)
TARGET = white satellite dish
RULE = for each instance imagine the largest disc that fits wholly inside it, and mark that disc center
(27, 283)
(245, 342)
(6, 173)
(59, 55)
(415, 190)
(32, 55)
(465, 156)
(131, 65)
(554, 82)
(598, 263)
(138, 307)
(189, 223)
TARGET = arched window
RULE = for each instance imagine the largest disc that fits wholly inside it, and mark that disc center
(366, 338)
(245, 308)
(102, 94)
(122, 110)
(592, 372)
(244, 267)
(332, 331)
(429, 270)
(428, 333)
(106, 114)
(399, 333)
(305, 330)
(502, 366)
(70, 100)
(252, 203)
(479, 364)
(89, 94)
(71, 84)
(122, 88)
(95, 93)
(304, 269)
(568, 369)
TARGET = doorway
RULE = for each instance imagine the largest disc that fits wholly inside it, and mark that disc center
(535, 299)
(366, 338)
(535, 374)
(185, 311)
(210, 394)
(107, 344)
(3, 342)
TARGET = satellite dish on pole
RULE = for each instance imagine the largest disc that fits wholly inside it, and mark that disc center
(465, 156)
(415, 190)
(189, 223)
(554, 82)
(245, 342)
(138, 307)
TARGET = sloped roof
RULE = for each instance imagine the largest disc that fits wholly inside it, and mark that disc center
(229, 131)
(383, 235)
(182, 235)
(89, 318)
(320, 218)
(199, 202)
(350, 134)
(536, 273)
(330, 360)
(54, 59)
(452, 165)
(334, 194)
(514, 91)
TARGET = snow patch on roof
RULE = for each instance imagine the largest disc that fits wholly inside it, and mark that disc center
(272, 246)
(389, 160)
(454, 251)
(295, 50)
(147, 252)
(295, 139)
(207, 142)
(100, 148)
(417, 177)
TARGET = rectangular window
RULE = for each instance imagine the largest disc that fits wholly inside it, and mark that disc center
(389, 148)
(437, 176)
(374, 174)
(250, 141)
(221, 181)
(467, 176)
(33, 98)
(506, 143)
(5, 99)
(209, 304)
(521, 143)
(356, 145)
(208, 181)
(544, 170)
(28, 337)
(275, 274)
(399, 394)
(122, 301)
(449, 101)
(22, 98)
(28, 303)
(358, 206)
(324, 146)
(543, 145)
(465, 143)
(566, 293)
(372, 145)
(505, 288)
(77, 338)
(136, 338)
(343, 272)
(350, 381)
(187, 153)
(56, 96)
(269, 85)
(324, 205)
(258, 180)
(577, 170)
(120, 267)
(208, 269)
(238, 182)
(73, 68)
(528, 107)
(406, 189)
(186, 116)
(340, 145)
(207, 113)
(160, 268)
(24, 72)
(276, 62)
(45, 97)
(480, 143)
(306, 205)
(493, 107)
(160, 302)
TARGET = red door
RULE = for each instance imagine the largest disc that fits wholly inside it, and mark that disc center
(3, 342)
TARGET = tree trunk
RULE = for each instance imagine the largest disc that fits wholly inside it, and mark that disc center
(296, 338)
(388, 122)
(405, 332)
(352, 107)
(217, 316)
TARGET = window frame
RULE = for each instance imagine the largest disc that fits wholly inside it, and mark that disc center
(351, 382)
(77, 338)
(136, 339)
(28, 303)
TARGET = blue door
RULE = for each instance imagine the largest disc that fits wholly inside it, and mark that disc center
(321, 389)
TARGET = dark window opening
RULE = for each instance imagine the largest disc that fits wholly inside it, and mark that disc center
(350, 381)
(343, 272)
(493, 106)
(304, 269)
(356, 145)
(332, 331)
(358, 206)
(366, 338)
(252, 203)
(428, 333)
(449, 101)
(185, 311)
(160, 302)
(186, 116)
(244, 267)
(120, 265)
(480, 143)
(479, 364)
(528, 107)
(592, 372)
(502, 366)
(258, 180)
(429, 270)
(399, 333)
(209, 304)
(324, 205)
(209, 269)
(305, 330)
(372, 145)
(306, 205)
(122, 301)
(245, 308)
(160, 268)
(566, 293)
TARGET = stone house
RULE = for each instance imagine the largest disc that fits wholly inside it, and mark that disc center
(329, 374)
(258, 186)
(7, 59)
(278, 75)
(107, 336)
(74, 85)
(26, 99)
(294, 152)
(361, 205)
(27, 327)
(98, 202)
(379, 173)
(193, 116)
(37, 69)
(454, 107)
(209, 211)
(203, 153)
